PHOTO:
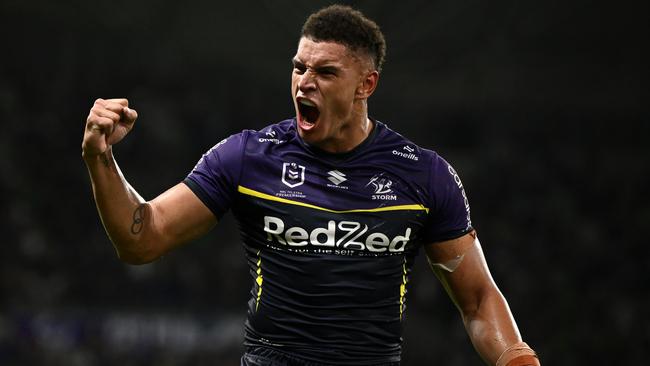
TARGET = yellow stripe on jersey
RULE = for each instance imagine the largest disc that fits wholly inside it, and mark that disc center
(402, 290)
(259, 280)
(268, 197)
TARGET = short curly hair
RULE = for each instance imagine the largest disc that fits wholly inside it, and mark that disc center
(349, 27)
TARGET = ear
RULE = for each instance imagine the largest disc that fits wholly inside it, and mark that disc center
(367, 85)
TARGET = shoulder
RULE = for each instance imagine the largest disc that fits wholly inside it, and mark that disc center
(434, 172)
(404, 148)
(438, 182)
(276, 132)
(273, 133)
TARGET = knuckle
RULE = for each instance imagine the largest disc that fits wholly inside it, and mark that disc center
(96, 109)
(105, 122)
(92, 118)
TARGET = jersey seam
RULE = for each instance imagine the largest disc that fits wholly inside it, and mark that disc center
(242, 155)
(430, 184)
(196, 188)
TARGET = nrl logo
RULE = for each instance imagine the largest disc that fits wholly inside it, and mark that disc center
(293, 174)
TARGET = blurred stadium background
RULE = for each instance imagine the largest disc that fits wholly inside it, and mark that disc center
(542, 106)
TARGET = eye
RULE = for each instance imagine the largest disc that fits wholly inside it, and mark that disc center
(299, 69)
(326, 71)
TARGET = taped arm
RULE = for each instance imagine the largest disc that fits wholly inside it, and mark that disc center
(460, 266)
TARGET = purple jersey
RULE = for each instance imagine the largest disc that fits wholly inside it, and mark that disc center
(331, 238)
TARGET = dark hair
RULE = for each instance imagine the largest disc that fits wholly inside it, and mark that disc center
(349, 27)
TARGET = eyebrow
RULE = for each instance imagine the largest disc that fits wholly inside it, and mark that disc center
(320, 69)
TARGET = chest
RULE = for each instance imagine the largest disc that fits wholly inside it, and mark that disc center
(371, 182)
(299, 203)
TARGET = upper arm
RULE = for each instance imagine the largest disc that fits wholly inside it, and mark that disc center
(189, 209)
(469, 282)
(178, 216)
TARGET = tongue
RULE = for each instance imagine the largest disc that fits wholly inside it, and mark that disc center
(310, 114)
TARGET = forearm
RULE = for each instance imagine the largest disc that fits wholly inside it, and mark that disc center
(484, 310)
(124, 213)
(491, 326)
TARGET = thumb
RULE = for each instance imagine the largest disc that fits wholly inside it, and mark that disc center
(129, 115)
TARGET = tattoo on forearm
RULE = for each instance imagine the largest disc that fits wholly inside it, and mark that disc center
(105, 160)
(138, 219)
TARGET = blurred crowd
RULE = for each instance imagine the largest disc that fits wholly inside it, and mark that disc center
(540, 112)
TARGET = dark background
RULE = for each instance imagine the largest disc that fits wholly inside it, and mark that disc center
(540, 105)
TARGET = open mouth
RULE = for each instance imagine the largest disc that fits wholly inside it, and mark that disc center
(308, 111)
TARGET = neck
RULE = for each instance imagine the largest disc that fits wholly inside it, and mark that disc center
(353, 133)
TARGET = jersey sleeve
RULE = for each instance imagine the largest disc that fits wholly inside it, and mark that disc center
(449, 217)
(215, 177)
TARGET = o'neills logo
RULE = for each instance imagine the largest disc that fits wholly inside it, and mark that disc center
(408, 154)
(342, 234)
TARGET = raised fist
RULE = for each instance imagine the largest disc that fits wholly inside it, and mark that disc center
(108, 122)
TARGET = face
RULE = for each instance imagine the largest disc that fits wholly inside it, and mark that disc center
(329, 85)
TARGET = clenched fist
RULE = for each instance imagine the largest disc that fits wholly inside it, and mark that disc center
(108, 122)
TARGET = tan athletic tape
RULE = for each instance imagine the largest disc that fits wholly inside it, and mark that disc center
(514, 351)
(525, 360)
(450, 265)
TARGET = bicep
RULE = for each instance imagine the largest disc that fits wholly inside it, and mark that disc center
(460, 266)
(180, 216)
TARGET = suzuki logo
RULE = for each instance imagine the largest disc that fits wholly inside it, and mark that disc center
(293, 174)
(336, 177)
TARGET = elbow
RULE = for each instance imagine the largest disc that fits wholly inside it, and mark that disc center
(483, 302)
(135, 259)
(142, 254)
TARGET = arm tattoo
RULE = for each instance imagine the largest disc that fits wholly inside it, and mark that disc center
(138, 220)
(105, 160)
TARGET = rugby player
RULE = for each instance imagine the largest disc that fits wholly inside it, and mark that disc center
(333, 207)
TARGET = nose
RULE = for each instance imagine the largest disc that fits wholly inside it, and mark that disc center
(306, 82)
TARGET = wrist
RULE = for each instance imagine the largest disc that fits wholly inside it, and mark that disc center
(104, 157)
(519, 354)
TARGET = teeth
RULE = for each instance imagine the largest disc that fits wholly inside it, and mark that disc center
(307, 103)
